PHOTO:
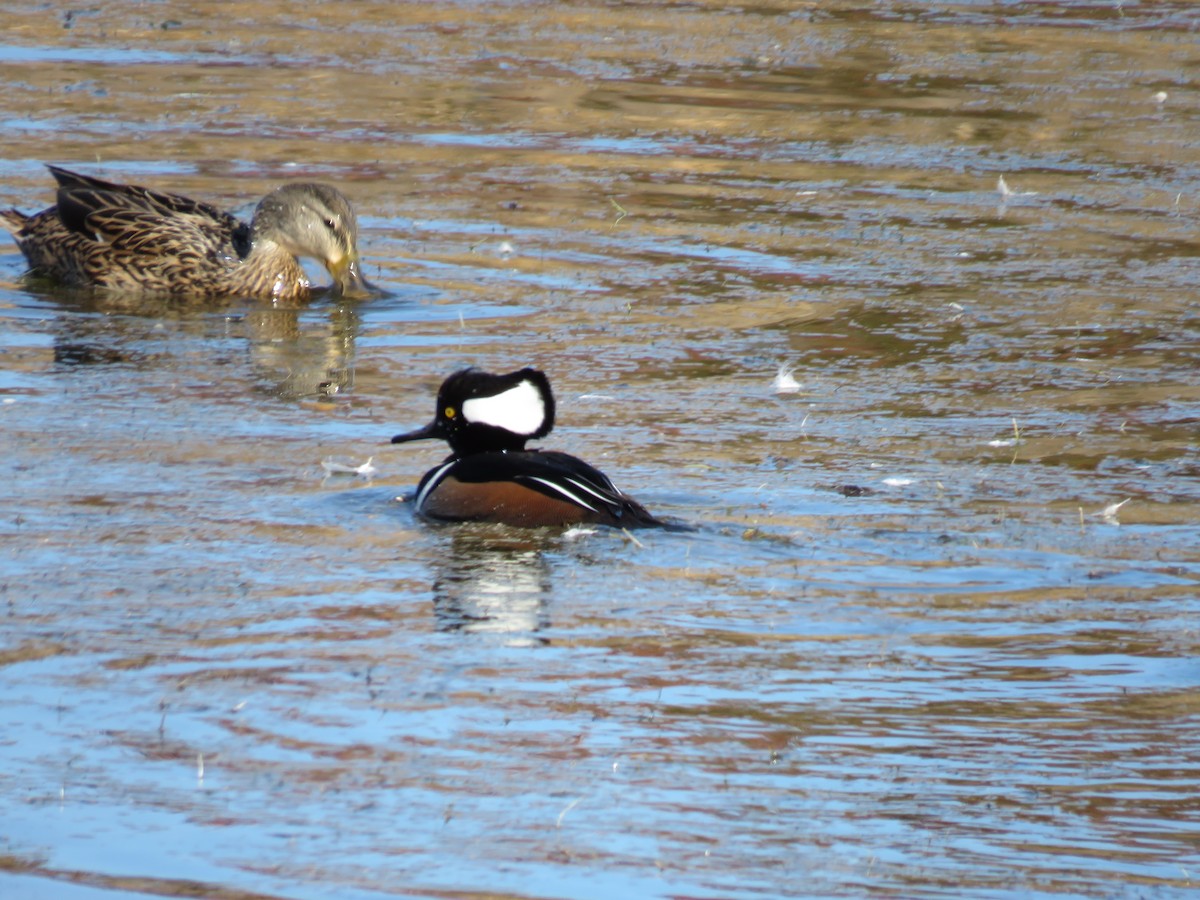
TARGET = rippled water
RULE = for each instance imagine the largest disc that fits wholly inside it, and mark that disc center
(935, 633)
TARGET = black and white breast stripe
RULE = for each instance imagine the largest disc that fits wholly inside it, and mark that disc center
(430, 482)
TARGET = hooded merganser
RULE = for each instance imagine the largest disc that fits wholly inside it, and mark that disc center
(490, 476)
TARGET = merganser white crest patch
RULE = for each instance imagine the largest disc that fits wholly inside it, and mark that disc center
(520, 409)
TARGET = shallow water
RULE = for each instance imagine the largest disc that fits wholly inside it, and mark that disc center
(914, 647)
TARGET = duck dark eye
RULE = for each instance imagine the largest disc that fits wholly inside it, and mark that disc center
(331, 224)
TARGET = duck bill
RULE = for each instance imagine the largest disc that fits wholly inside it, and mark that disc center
(429, 431)
(348, 280)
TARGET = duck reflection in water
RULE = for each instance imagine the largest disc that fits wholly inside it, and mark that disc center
(299, 356)
(296, 351)
(492, 583)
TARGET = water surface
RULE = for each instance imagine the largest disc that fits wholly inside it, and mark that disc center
(935, 631)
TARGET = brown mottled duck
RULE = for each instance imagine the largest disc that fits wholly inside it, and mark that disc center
(127, 239)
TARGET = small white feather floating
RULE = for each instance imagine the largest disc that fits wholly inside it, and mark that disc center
(785, 382)
(1109, 513)
(1006, 192)
(333, 467)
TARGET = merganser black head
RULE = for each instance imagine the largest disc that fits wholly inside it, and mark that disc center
(479, 412)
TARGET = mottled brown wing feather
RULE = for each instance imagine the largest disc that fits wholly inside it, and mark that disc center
(85, 204)
(50, 248)
(149, 234)
(176, 252)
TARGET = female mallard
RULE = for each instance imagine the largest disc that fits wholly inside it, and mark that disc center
(129, 239)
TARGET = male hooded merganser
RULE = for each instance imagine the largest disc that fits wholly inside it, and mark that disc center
(490, 476)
